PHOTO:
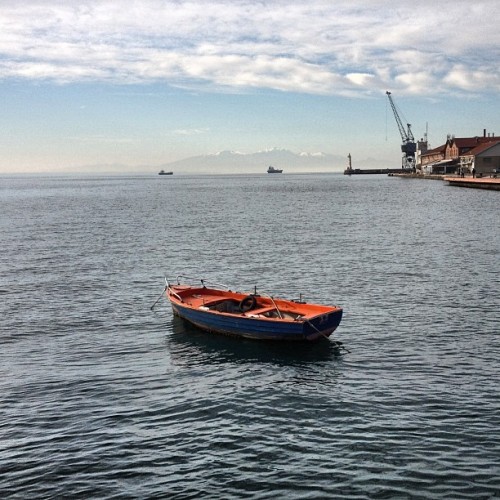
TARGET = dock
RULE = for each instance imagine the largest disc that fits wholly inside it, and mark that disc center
(362, 171)
(432, 177)
(377, 171)
(474, 182)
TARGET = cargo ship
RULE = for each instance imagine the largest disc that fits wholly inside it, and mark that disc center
(272, 170)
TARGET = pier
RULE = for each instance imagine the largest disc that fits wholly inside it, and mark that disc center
(362, 171)
(379, 171)
(474, 182)
(432, 177)
(470, 182)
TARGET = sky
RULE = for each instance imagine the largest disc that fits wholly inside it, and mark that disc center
(142, 83)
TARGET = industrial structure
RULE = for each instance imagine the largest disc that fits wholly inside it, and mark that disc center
(408, 147)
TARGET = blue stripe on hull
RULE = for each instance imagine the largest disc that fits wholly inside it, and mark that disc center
(241, 326)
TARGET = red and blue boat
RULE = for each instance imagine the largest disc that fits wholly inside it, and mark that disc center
(217, 309)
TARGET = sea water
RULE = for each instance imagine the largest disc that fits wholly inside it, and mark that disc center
(102, 397)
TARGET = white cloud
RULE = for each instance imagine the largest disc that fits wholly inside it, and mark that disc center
(323, 47)
(190, 131)
(361, 79)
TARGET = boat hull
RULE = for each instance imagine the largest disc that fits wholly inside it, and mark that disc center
(251, 326)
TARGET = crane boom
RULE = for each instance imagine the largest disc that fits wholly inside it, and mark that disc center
(408, 147)
(398, 119)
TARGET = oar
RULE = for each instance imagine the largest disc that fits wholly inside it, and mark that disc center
(158, 299)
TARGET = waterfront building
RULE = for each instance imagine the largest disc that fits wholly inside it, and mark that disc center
(484, 158)
(461, 154)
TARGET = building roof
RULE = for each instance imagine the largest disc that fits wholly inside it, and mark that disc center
(471, 142)
(481, 148)
(439, 149)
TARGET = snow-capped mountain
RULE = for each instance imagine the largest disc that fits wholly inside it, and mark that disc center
(237, 162)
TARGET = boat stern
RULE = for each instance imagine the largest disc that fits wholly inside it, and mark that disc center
(322, 325)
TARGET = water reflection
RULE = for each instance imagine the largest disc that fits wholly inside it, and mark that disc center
(189, 344)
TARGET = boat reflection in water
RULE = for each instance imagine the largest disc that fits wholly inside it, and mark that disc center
(191, 346)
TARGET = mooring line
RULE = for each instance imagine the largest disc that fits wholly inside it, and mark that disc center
(336, 342)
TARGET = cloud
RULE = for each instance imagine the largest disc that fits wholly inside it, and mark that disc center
(318, 47)
(190, 131)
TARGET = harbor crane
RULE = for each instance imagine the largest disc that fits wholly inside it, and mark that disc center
(409, 146)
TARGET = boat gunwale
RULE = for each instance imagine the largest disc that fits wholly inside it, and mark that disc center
(313, 312)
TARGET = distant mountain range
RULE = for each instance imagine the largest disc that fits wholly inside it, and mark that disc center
(233, 162)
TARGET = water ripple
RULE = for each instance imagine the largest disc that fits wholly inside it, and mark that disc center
(102, 398)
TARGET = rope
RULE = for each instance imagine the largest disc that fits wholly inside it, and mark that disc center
(336, 342)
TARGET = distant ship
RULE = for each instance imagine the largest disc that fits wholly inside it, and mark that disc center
(272, 170)
(162, 172)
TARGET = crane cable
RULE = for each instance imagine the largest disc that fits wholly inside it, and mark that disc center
(386, 118)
